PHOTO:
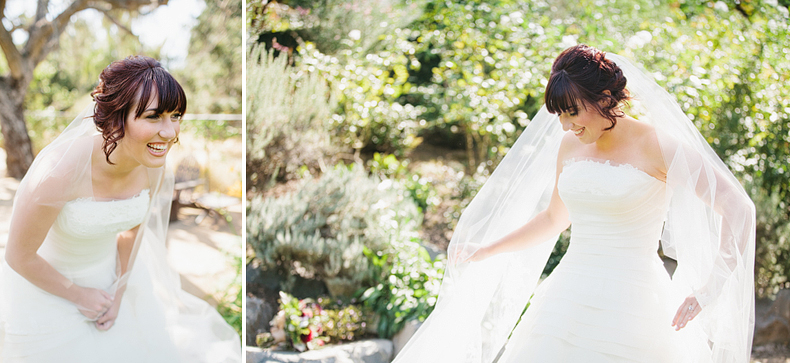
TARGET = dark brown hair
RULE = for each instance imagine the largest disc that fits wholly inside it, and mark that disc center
(581, 74)
(120, 85)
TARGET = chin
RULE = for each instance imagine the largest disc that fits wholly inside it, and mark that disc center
(154, 163)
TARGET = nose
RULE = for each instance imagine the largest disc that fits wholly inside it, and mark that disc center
(169, 129)
(566, 125)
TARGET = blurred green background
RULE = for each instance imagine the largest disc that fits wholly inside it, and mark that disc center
(426, 97)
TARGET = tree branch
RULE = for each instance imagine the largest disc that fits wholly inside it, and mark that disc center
(41, 10)
(38, 43)
(12, 55)
(115, 21)
(63, 18)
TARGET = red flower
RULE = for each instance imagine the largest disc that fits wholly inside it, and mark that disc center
(306, 337)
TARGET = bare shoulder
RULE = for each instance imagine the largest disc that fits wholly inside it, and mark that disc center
(646, 137)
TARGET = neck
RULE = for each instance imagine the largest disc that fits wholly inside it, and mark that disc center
(610, 138)
(122, 165)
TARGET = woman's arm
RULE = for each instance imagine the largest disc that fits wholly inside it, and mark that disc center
(546, 224)
(543, 226)
(125, 243)
(30, 224)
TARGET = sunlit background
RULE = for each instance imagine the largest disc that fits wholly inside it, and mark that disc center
(371, 124)
(199, 42)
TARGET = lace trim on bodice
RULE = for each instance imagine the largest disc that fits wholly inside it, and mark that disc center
(599, 181)
(626, 166)
(89, 217)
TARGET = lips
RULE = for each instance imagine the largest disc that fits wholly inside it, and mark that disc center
(578, 132)
(157, 148)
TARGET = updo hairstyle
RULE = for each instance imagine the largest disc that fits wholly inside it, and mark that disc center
(127, 83)
(580, 75)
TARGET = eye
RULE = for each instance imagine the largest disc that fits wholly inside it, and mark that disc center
(153, 117)
(176, 117)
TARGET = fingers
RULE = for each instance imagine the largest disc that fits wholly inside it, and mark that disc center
(459, 256)
(105, 325)
(103, 319)
(106, 320)
(468, 252)
(687, 311)
(92, 314)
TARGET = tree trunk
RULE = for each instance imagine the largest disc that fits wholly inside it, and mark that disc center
(19, 150)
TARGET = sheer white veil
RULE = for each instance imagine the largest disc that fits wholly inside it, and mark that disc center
(61, 173)
(709, 229)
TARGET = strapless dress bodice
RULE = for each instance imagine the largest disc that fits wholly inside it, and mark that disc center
(84, 233)
(615, 210)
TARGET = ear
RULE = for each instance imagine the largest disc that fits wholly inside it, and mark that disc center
(604, 101)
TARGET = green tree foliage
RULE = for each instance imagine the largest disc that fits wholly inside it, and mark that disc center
(469, 74)
(213, 76)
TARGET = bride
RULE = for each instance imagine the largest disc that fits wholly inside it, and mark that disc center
(622, 185)
(85, 276)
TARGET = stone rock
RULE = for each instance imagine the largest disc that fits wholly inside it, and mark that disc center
(774, 327)
(259, 313)
(267, 283)
(433, 251)
(402, 337)
(366, 351)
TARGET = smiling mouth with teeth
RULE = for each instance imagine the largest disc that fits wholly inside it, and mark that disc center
(158, 148)
(579, 131)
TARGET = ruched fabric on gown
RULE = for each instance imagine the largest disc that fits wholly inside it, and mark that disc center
(81, 245)
(609, 299)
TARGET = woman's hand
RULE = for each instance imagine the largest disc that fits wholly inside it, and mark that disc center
(93, 302)
(470, 252)
(689, 309)
(107, 320)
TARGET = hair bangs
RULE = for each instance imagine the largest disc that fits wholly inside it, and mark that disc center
(170, 95)
(562, 95)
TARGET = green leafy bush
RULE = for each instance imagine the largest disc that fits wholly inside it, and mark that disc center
(417, 188)
(320, 231)
(772, 257)
(341, 323)
(408, 287)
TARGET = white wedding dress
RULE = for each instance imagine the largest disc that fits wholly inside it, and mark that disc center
(81, 245)
(609, 298)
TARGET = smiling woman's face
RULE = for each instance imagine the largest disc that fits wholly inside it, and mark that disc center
(148, 138)
(586, 123)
